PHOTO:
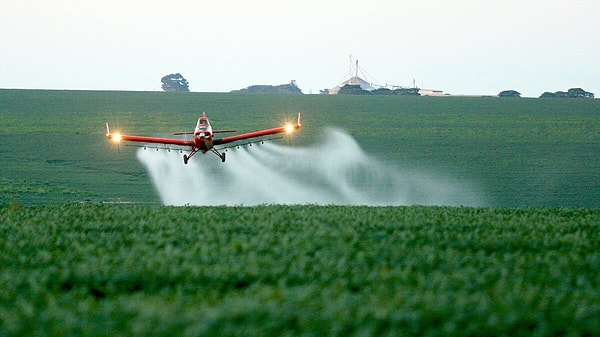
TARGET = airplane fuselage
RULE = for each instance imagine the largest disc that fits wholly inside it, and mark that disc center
(203, 135)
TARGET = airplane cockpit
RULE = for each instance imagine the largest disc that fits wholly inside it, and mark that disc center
(203, 128)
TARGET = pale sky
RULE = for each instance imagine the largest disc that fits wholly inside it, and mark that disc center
(458, 46)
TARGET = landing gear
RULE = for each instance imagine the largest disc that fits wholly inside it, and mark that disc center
(219, 154)
(186, 157)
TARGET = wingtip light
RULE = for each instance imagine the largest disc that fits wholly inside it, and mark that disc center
(115, 137)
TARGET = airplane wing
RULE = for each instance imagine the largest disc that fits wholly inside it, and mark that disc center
(118, 137)
(288, 128)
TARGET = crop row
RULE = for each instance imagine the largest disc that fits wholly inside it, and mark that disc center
(280, 270)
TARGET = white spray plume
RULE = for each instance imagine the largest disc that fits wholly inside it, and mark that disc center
(336, 171)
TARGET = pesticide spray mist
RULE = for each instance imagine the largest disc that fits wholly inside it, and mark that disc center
(334, 172)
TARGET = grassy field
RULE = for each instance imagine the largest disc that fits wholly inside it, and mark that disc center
(519, 152)
(135, 270)
(74, 263)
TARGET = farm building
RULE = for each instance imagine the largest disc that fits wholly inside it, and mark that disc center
(364, 85)
(355, 85)
(430, 92)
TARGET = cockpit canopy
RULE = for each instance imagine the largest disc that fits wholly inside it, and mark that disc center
(203, 127)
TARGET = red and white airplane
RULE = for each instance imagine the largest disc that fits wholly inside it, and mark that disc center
(203, 140)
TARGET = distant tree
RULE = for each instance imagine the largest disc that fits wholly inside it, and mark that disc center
(548, 94)
(174, 82)
(572, 93)
(382, 91)
(407, 92)
(509, 93)
(353, 89)
(561, 94)
(291, 88)
(579, 93)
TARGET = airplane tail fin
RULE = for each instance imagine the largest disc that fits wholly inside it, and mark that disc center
(299, 123)
(107, 130)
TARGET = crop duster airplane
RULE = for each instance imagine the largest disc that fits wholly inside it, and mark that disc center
(203, 140)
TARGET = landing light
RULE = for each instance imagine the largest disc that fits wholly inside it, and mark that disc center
(289, 128)
(116, 137)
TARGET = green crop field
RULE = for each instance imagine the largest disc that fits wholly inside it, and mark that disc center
(87, 249)
(135, 270)
(517, 152)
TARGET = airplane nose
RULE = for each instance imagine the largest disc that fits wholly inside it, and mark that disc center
(203, 135)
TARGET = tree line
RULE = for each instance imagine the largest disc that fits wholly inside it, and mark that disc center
(176, 82)
(571, 93)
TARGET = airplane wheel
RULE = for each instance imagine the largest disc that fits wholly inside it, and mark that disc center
(185, 159)
(223, 158)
